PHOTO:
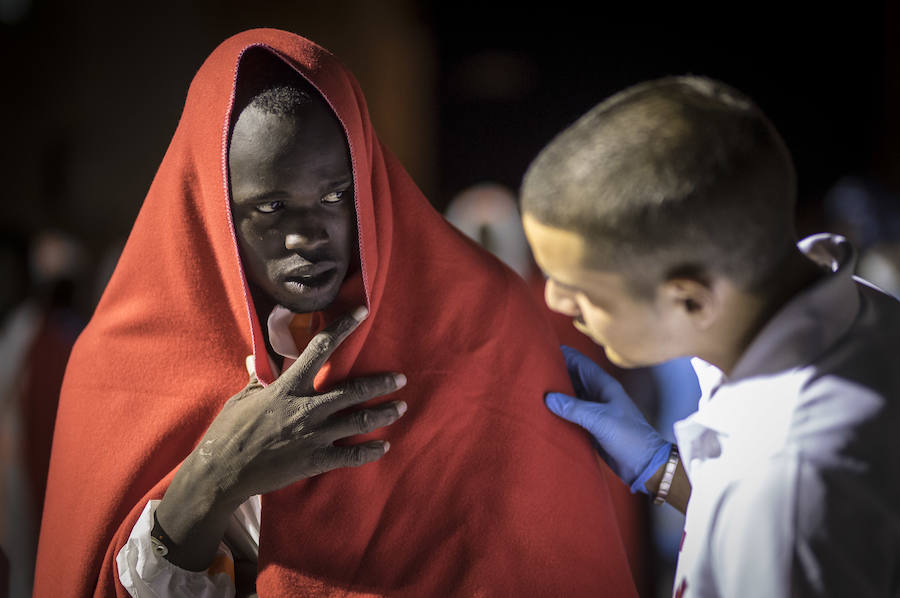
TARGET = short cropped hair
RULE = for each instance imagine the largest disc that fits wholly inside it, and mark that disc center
(266, 82)
(675, 176)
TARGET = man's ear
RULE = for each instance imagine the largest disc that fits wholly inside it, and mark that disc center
(695, 299)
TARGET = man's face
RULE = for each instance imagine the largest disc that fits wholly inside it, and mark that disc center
(634, 331)
(293, 205)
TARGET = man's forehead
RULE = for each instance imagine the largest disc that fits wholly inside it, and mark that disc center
(264, 140)
(565, 256)
(554, 247)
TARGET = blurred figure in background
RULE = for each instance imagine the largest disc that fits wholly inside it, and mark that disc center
(869, 216)
(19, 320)
(488, 213)
(40, 322)
(59, 269)
(880, 264)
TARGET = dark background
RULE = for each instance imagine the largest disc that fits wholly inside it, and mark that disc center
(827, 81)
(462, 92)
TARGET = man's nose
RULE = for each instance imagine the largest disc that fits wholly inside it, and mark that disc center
(305, 241)
(560, 299)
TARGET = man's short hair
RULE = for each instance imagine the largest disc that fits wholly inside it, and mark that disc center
(676, 176)
(266, 82)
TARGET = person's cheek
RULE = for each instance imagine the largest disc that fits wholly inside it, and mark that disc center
(350, 235)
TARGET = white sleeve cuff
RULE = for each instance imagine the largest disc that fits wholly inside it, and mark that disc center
(146, 575)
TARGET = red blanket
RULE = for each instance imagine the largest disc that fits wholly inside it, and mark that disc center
(484, 492)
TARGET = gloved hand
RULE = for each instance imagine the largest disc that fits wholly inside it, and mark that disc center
(628, 444)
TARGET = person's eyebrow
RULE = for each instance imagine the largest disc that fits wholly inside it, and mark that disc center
(340, 180)
(276, 194)
(262, 197)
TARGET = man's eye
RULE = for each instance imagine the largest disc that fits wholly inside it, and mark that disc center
(269, 207)
(333, 197)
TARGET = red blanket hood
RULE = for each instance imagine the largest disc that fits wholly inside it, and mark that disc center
(484, 493)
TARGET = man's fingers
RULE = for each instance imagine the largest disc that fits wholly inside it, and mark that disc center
(591, 381)
(362, 421)
(577, 362)
(254, 383)
(320, 348)
(358, 390)
(335, 457)
(588, 415)
(579, 367)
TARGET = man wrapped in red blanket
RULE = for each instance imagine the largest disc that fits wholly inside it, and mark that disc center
(259, 212)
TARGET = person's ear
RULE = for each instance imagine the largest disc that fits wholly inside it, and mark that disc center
(695, 300)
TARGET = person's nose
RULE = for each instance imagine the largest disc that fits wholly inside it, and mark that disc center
(560, 299)
(305, 241)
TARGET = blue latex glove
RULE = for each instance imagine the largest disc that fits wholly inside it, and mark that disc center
(628, 444)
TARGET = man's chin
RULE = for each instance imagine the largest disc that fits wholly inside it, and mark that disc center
(617, 360)
(583, 329)
(613, 357)
(300, 304)
(621, 361)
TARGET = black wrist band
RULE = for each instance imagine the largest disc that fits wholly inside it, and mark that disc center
(159, 538)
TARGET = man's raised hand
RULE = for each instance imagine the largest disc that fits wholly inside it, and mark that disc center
(266, 438)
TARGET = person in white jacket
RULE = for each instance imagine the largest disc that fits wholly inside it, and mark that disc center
(663, 219)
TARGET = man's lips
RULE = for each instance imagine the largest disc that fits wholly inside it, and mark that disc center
(308, 270)
(309, 276)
